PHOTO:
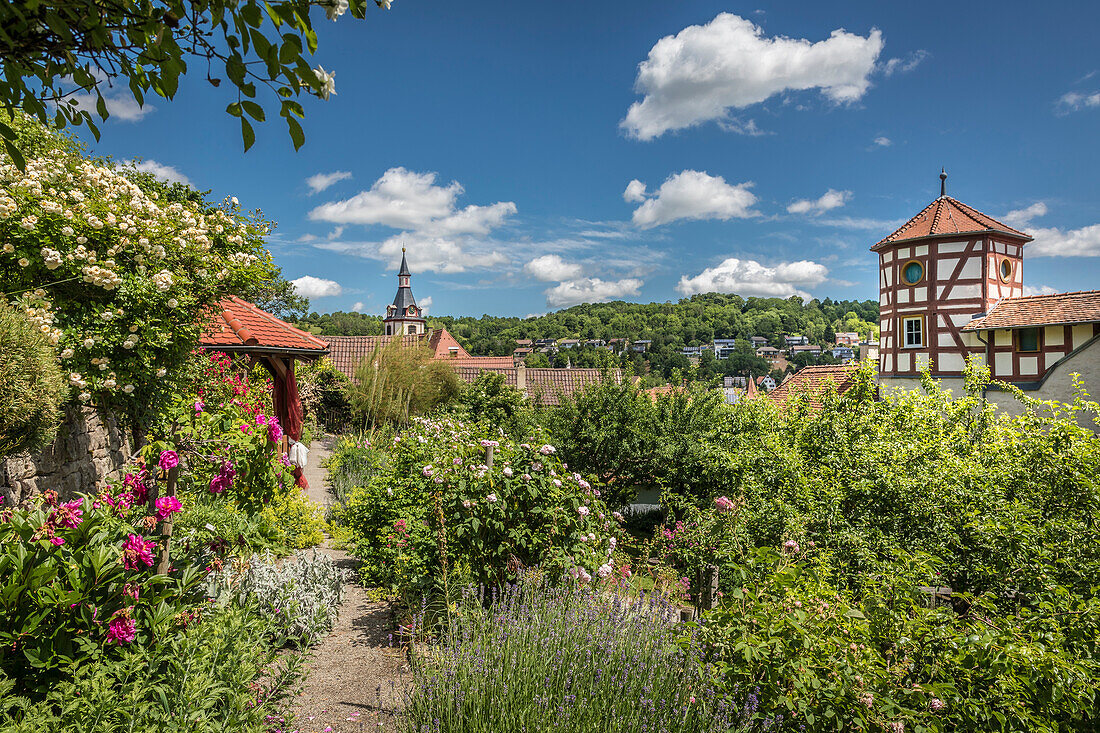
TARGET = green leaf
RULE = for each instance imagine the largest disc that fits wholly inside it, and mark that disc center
(248, 134)
(235, 110)
(296, 133)
(254, 110)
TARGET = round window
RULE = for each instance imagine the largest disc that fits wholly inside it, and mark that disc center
(1006, 269)
(912, 273)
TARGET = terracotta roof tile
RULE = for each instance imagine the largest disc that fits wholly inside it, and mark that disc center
(469, 374)
(348, 352)
(238, 323)
(1041, 310)
(483, 362)
(548, 386)
(945, 217)
(813, 380)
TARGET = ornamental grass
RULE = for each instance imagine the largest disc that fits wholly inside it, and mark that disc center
(567, 658)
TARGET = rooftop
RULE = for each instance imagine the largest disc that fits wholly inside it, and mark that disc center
(347, 352)
(946, 217)
(238, 325)
(1041, 310)
(813, 380)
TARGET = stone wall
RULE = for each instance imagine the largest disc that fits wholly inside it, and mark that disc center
(90, 446)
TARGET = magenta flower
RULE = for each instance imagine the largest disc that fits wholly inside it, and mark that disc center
(166, 506)
(68, 514)
(132, 589)
(224, 479)
(274, 430)
(791, 547)
(199, 406)
(427, 471)
(136, 549)
(169, 459)
(57, 541)
(122, 629)
(135, 485)
(723, 504)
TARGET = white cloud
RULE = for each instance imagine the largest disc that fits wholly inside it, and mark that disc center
(635, 192)
(831, 199)
(307, 238)
(425, 304)
(907, 64)
(315, 287)
(358, 307)
(590, 290)
(166, 173)
(703, 72)
(1039, 290)
(694, 195)
(749, 277)
(438, 235)
(883, 142)
(549, 268)
(321, 181)
(120, 105)
(1074, 101)
(1083, 242)
(1022, 217)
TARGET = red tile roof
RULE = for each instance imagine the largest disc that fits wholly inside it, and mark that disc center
(946, 217)
(239, 324)
(1041, 310)
(348, 352)
(548, 386)
(469, 374)
(813, 380)
(483, 362)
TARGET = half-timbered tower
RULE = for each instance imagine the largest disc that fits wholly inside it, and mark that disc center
(951, 286)
(942, 268)
(403, 317)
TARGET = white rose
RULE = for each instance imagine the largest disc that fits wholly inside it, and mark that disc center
(172, 302)
(67, 354)
(161, 372)
(89, 343)
(128, 389)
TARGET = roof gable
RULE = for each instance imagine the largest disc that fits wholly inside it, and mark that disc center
(813, 380)
(946, 217)
(238, 324)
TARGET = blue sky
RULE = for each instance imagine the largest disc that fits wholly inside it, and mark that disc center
(529, 162)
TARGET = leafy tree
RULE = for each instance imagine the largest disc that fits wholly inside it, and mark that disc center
(537, 360)
(62, 57)
(489, 400)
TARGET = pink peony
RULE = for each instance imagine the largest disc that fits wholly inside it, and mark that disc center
(583, 511)
(618, 516)
(489, 444)
(136, 549)
(133, 590)
(169, 459)
(57, 541)
(224, 479)
(274, 430)
(427, 471)
(68, 514)
(199, 406)
(791, 547)
(724, 504)
(548, 450)
(604, 570)
(122, 628)
(166, 506)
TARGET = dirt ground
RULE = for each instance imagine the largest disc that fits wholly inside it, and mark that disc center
(356, 680)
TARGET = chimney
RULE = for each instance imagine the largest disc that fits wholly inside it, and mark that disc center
(521, 377)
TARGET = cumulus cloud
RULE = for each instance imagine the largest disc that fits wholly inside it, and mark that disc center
(315, 287)
(549, 268)
(907, 64)
(635, 192)
(425, 304)
(749, 277)
(1022, 217)
(693, 195)
(831, 199)
(704, 71)
(321, 181)
(1053, 242)
(166, 173)
(120, 105)
(1039, 290)
(358, 307)
(590, 290)
(1074, 101)
(883, 142)
(437, 233)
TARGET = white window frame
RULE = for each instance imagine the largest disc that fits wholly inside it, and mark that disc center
(905, 321)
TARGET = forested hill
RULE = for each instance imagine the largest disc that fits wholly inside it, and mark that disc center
(687, 322)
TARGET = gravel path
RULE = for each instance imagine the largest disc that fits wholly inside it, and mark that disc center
(355, 680)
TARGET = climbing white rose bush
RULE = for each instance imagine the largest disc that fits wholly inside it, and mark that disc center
(117, 270)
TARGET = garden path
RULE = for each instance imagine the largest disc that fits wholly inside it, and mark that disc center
(355, 680)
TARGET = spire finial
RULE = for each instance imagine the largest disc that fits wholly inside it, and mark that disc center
(943, 182)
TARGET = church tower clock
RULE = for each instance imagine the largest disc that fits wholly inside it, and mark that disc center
(403, 316)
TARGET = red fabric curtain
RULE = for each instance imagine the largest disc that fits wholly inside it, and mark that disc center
(288, 408)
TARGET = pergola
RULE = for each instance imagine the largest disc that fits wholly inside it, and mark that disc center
(239, 327)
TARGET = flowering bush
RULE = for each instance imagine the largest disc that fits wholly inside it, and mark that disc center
(116, 274)
(76, 580)
(32, 388)
(434, 500)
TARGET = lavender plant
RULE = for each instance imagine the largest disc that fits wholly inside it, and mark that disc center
(568, 659)
(301, 594)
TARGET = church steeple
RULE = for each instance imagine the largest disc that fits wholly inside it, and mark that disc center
(404, 317)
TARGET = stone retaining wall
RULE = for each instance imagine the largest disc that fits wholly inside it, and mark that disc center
(90, 446)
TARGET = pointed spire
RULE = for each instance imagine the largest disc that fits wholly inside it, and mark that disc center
(943, 182)
(404, 271)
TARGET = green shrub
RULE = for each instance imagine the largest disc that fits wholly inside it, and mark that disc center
(490, 401)
(211, 673)
(32, 388)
